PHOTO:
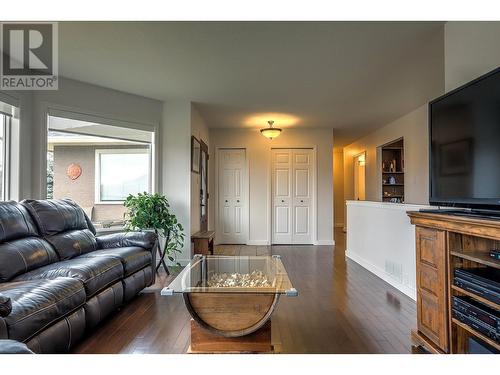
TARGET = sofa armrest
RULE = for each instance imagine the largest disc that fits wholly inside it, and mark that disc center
(5, 306)
(13, 347)
(146, 240)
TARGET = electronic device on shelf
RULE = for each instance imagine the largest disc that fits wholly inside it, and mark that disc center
(476, 346)
(468, 306)
(495, 254)
(483, 282)
(478, 325)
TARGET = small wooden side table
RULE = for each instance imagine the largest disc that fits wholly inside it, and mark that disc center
(203, 242)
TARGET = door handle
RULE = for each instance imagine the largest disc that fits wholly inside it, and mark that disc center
(238, 201)
(226, 200)
(301, 201)
(282, 201)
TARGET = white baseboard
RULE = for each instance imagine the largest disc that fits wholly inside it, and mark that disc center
(325, 242)
(258, 243)
(377, 271)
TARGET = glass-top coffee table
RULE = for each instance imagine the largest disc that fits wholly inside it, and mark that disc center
(231, 299)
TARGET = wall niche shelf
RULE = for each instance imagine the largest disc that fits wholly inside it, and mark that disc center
(392, 155)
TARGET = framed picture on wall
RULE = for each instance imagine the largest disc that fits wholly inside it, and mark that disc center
(195, 155)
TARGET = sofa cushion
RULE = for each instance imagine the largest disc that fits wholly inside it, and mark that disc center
(132, 258)
(53, 216)
(146, 240)
(23, 255)
(20, 248)
(73, 243)
(95, 273)
(15, 222)
(36, 304)
(64, 224)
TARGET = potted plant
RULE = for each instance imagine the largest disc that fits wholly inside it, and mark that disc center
(152, 212)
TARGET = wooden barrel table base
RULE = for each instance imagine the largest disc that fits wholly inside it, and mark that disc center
(231, 300)
(206, 342)
(231, 314)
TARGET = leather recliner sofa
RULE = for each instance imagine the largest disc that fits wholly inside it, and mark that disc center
(57, 279)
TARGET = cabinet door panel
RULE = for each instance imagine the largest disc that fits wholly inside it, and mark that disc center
(432, 245)
(430, 318)
(432, 305)
(429, 279)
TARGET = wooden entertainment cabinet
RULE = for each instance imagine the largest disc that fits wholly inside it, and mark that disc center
(445, 242)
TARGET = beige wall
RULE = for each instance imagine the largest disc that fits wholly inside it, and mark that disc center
(259, 162)
(338, 187)
(84, 99)
(471, 49)
(200, 130)
(176, 165)
(414, 129)
(82, 190)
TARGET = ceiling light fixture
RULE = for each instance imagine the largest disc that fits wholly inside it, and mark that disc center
(270, 132)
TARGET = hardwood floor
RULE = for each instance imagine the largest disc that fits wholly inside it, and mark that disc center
(341, 308)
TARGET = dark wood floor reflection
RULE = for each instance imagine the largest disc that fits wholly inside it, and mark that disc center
(341, 308)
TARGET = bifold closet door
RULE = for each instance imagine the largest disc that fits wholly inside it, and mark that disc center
(292, 196)
(232, 196)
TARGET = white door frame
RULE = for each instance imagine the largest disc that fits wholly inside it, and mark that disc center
(314, 229)
(246, 189)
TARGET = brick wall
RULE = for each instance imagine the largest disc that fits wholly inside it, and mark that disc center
(82, 190)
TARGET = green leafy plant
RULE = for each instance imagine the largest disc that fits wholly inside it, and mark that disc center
(152, 212)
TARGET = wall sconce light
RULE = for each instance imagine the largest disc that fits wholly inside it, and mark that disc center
(361, 160)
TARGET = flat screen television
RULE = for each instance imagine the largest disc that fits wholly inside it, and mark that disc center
(464, 127)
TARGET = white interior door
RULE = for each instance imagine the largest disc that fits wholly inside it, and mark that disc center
(282, 197)
(292, 196)
(232, 226)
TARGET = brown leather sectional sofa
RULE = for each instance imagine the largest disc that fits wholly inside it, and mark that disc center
(57, 279)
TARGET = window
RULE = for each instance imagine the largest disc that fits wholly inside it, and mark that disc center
(98, 165)
(4, 156)
(120, 172)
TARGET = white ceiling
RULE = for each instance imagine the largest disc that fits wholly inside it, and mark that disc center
(351, 76)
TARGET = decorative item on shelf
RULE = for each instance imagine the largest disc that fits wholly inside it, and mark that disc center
(387, 194)
(384, 181)
(270, 132)
(195, 154)
(392, 180)
(152, 212)
(392, 166)
(74, 171)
